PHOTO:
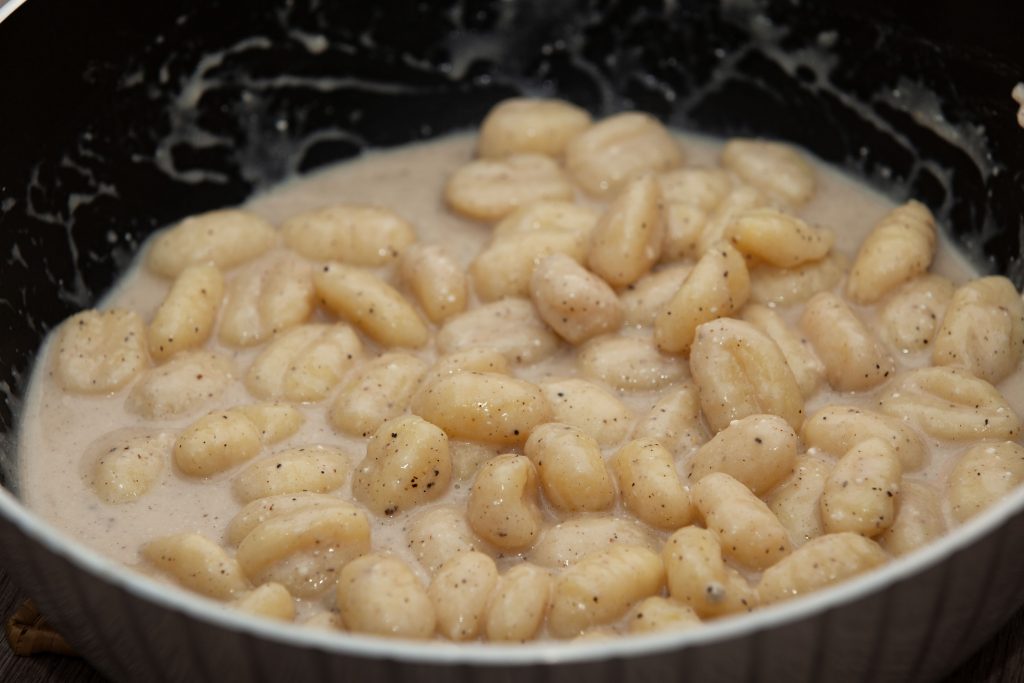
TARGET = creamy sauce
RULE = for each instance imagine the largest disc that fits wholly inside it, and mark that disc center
(63, 432)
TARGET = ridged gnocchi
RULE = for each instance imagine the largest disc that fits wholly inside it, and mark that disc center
(629, 363)
(982, 475)
(489, 189)
(437, 281)
(612, 152)
(590, 408)
(983, 329)
(483, 406)
(100, 351)
(303, 549)
(627, 240)
(180, 386)
(601, 587)
(197, 563)
(524, 125)
(773, 167)
(950, 403)
(125, 467)
(716, 287)
(698, 577)
(510, 326)
(262, 303)
(187, 315)
(740, 371)
(226, 238)
(377, 391)
(778, 238)
(900, 247)
(316, 469)
(350, 233)
(380, 595)
(371, 304)
(304, 364)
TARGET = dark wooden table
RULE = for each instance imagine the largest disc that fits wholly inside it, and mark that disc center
(1000, 661)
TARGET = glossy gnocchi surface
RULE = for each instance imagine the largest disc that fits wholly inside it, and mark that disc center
(565, 378)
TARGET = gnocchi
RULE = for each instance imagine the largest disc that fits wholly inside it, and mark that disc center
(982, 475)
(349, 233)
(601, 587)
(749, 532)
(505, 269)
(567, 543)
(758, 451)
(295, 470)
(675, 421)
(740, 371)
(226, 238)
(796, 501)
(854, 360)
(198, 564)
(778, 238)
(950, 403)
(820, 562)
(261, 303)
(898, 248)
(100, 351)
(180, 386)
(483, 406)
(574, 302)
(862, 490)
(699, 578)
(489, 189)
(570, 467)
(125, 467)
(771, 166)
(502, 507)
(627, 240)
(629, 363)
(378, 391)
(460, 591)
(439, 534)
(552, 387)
(522, 125)
(303, 549)
(983, 329)
(612, 152)
(518, 604)
(440, 286)
(217, 442)
(716, 287)
(510, 326)
(379, 594)
(836, 429)
(186, 317)
(649, 485)
(406, 464)
(303, 364)
(590, 408)
(371, 304)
